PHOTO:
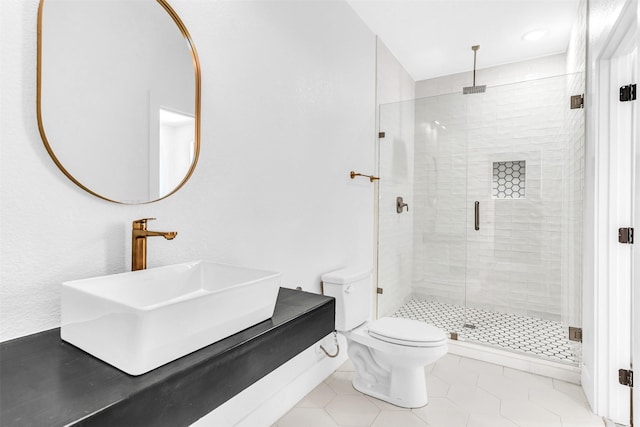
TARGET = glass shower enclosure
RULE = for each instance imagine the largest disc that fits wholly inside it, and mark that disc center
(486, 242)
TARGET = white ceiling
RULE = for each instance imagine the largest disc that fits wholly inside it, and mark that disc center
(433, 38)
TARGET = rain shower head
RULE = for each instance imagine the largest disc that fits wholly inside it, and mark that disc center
(474, 89)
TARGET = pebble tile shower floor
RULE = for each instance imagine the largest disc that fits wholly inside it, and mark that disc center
(542, 338)
(462, 393)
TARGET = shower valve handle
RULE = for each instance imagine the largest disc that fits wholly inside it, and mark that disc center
(400, 205)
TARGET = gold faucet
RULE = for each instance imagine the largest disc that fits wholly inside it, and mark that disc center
(139, 234)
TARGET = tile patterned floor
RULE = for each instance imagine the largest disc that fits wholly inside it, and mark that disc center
(542, 338)
(462, 393)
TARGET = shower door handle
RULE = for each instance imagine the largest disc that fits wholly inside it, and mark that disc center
(477, 216)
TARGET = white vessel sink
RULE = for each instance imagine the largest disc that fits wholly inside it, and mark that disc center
(141, 320)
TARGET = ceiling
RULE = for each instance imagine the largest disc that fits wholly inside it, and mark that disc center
(433, 38)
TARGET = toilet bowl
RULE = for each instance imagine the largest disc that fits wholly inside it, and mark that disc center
(389, 354)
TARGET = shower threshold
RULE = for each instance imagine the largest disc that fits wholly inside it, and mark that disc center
(542, 339)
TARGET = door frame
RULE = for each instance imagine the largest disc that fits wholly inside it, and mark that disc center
(635, 269)
(613, 208)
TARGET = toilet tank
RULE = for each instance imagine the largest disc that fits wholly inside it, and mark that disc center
(351, 287)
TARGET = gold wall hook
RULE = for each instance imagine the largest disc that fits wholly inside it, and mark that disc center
(372, 178)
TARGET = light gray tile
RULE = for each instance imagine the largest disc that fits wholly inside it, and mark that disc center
(398, 418)
(442, 412)
(307, 417)
(352, 410)
(318, 397)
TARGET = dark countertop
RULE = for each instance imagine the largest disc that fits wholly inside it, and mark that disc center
(47, 382)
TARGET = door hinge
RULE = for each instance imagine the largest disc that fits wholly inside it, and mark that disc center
(625, 377)
(381, 134)
(379, 290)
(627, 93)
(577, 101)
(575, 334)
(625, 235)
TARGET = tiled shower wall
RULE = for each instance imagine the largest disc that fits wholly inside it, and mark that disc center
(517, 260)
(395, 237)
(514, 259)
(440, 191)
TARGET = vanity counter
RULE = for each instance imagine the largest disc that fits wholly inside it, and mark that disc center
(47, 382)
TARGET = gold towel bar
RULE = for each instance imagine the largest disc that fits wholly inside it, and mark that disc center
(372, 178)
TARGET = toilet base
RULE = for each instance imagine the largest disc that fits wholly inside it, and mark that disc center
(411, 394)
(384, 379)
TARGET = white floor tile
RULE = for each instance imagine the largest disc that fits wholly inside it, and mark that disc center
(489, 420)
(436, 387)
(442, 412)
(503, 387)
(352, 410)
(397, 419)
(528, 414)
(565, 405)
(532, 381)
(587, 421)
(307, 417)
(500, 399)
(340, 383)
(570, 389)
(455, 376)
(474, 399)
(447, 362)
(318, 397)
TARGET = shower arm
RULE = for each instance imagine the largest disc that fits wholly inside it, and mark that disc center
(475, 54)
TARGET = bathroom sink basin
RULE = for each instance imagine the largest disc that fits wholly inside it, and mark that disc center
(141, 320)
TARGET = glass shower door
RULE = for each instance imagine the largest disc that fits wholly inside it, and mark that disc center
(488, 247)
(523, 209)
(422, 250)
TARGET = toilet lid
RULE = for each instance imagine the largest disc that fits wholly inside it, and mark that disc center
(406, 332)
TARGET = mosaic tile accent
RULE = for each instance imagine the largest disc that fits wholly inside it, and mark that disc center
(546, 339)
(508, 180)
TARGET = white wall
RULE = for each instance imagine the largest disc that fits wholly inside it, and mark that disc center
(288, 110)
(395, 168)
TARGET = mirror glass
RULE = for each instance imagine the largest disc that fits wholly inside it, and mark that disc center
(118, 96)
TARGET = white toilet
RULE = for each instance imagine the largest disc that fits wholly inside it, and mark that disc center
(389, 354)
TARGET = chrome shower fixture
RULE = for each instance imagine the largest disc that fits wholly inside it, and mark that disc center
(474, 89)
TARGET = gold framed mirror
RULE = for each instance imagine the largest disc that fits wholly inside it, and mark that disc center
(118, 96)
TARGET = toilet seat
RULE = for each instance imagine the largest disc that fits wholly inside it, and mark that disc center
(406, 332)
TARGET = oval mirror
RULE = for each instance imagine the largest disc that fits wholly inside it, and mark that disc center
(118, 99)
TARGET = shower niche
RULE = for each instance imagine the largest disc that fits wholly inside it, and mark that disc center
(509, 179)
